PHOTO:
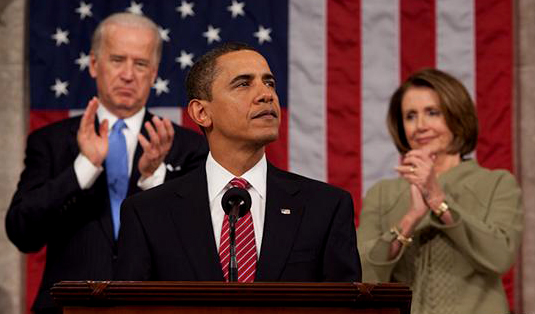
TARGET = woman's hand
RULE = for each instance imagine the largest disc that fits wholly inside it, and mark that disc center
(418, 207)
(418, 168)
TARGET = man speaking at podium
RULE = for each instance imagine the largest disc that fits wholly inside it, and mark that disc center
(297, 229)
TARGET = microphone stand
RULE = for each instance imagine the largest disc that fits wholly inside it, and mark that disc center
(236, 202)
(233, 264)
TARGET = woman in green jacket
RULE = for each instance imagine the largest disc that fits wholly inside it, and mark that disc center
(446, 226)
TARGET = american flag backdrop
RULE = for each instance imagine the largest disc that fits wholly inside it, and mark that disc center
(336, 63)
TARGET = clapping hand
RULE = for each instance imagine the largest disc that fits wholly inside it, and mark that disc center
(93, 145)
(157, 146)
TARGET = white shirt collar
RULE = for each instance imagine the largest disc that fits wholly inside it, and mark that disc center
(218, 177)
(133, 123)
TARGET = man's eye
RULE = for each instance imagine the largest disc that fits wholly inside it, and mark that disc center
(142, 64)
(270, 83)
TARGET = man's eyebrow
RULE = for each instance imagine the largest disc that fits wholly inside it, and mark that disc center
(268, 76)
(242, 77)
(249, 77)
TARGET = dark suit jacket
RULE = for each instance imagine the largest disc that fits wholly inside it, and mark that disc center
(49, 208)
(167, 233)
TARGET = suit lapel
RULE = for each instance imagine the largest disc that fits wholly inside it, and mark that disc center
(284, 211)
(101, 189)
(193, 222)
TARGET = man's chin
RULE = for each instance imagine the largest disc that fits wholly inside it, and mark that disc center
(125, 103)
(268, 138)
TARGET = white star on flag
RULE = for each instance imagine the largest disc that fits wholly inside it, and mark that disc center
(60, 88)
(164, 33)
(82, 61)
(61, 37)
(135, 8)
(212, 34)
(236, 8)
(185, 9)
(84, 10)
(185, 59)
(263, 34)
(161, 86)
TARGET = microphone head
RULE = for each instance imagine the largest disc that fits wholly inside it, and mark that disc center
(237, 196)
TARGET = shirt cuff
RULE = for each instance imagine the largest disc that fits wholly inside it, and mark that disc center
(155, 179)
(86, 172)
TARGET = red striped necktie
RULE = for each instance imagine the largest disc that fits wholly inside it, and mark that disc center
(245, 242)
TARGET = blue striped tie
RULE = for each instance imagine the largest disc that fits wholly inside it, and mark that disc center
(117, 172)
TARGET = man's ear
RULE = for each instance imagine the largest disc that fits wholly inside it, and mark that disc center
(92, 65)
(198, 112)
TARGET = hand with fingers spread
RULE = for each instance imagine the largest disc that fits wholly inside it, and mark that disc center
(93, 145)
(156, 147)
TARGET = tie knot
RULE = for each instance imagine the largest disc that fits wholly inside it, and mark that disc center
(239, 183)
(118, 125)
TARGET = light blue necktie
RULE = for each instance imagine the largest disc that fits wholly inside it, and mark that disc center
(117, 172)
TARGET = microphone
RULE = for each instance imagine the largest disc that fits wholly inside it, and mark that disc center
(236, 203)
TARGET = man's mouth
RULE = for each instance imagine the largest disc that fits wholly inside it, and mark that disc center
(268, 113)
(124, 91)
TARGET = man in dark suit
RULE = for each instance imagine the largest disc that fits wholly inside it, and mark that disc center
(69, 193)
(303, 229)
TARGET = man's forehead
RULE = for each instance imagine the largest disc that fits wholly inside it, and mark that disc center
(242, 63)
(134, 43)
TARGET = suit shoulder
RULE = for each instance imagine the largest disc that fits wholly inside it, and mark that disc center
(57, 128)
(151, 197)
(484, 179)
(156, 192)
(391, 185)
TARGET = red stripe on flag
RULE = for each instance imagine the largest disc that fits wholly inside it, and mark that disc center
(494, 83)
(494, 93)
(344, 97)
(41, 118)
(417, 36)
(35, 266)
(277, 152)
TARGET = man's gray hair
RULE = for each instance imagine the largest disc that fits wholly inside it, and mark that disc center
(126, 19)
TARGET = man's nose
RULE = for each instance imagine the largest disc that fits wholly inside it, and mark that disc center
(266, 94)
(127, 72)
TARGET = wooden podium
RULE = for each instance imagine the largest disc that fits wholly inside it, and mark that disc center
(165, 297)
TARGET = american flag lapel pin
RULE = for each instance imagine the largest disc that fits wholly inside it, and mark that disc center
(286, 211)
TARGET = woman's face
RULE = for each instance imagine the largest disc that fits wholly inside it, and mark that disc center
(423, 120)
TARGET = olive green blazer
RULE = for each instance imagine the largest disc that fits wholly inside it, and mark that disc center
(455, 268)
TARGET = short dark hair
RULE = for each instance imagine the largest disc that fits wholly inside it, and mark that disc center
(202, 74)
(455, 102)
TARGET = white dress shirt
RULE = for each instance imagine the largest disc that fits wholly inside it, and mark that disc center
(87, 173)
(218, 183)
